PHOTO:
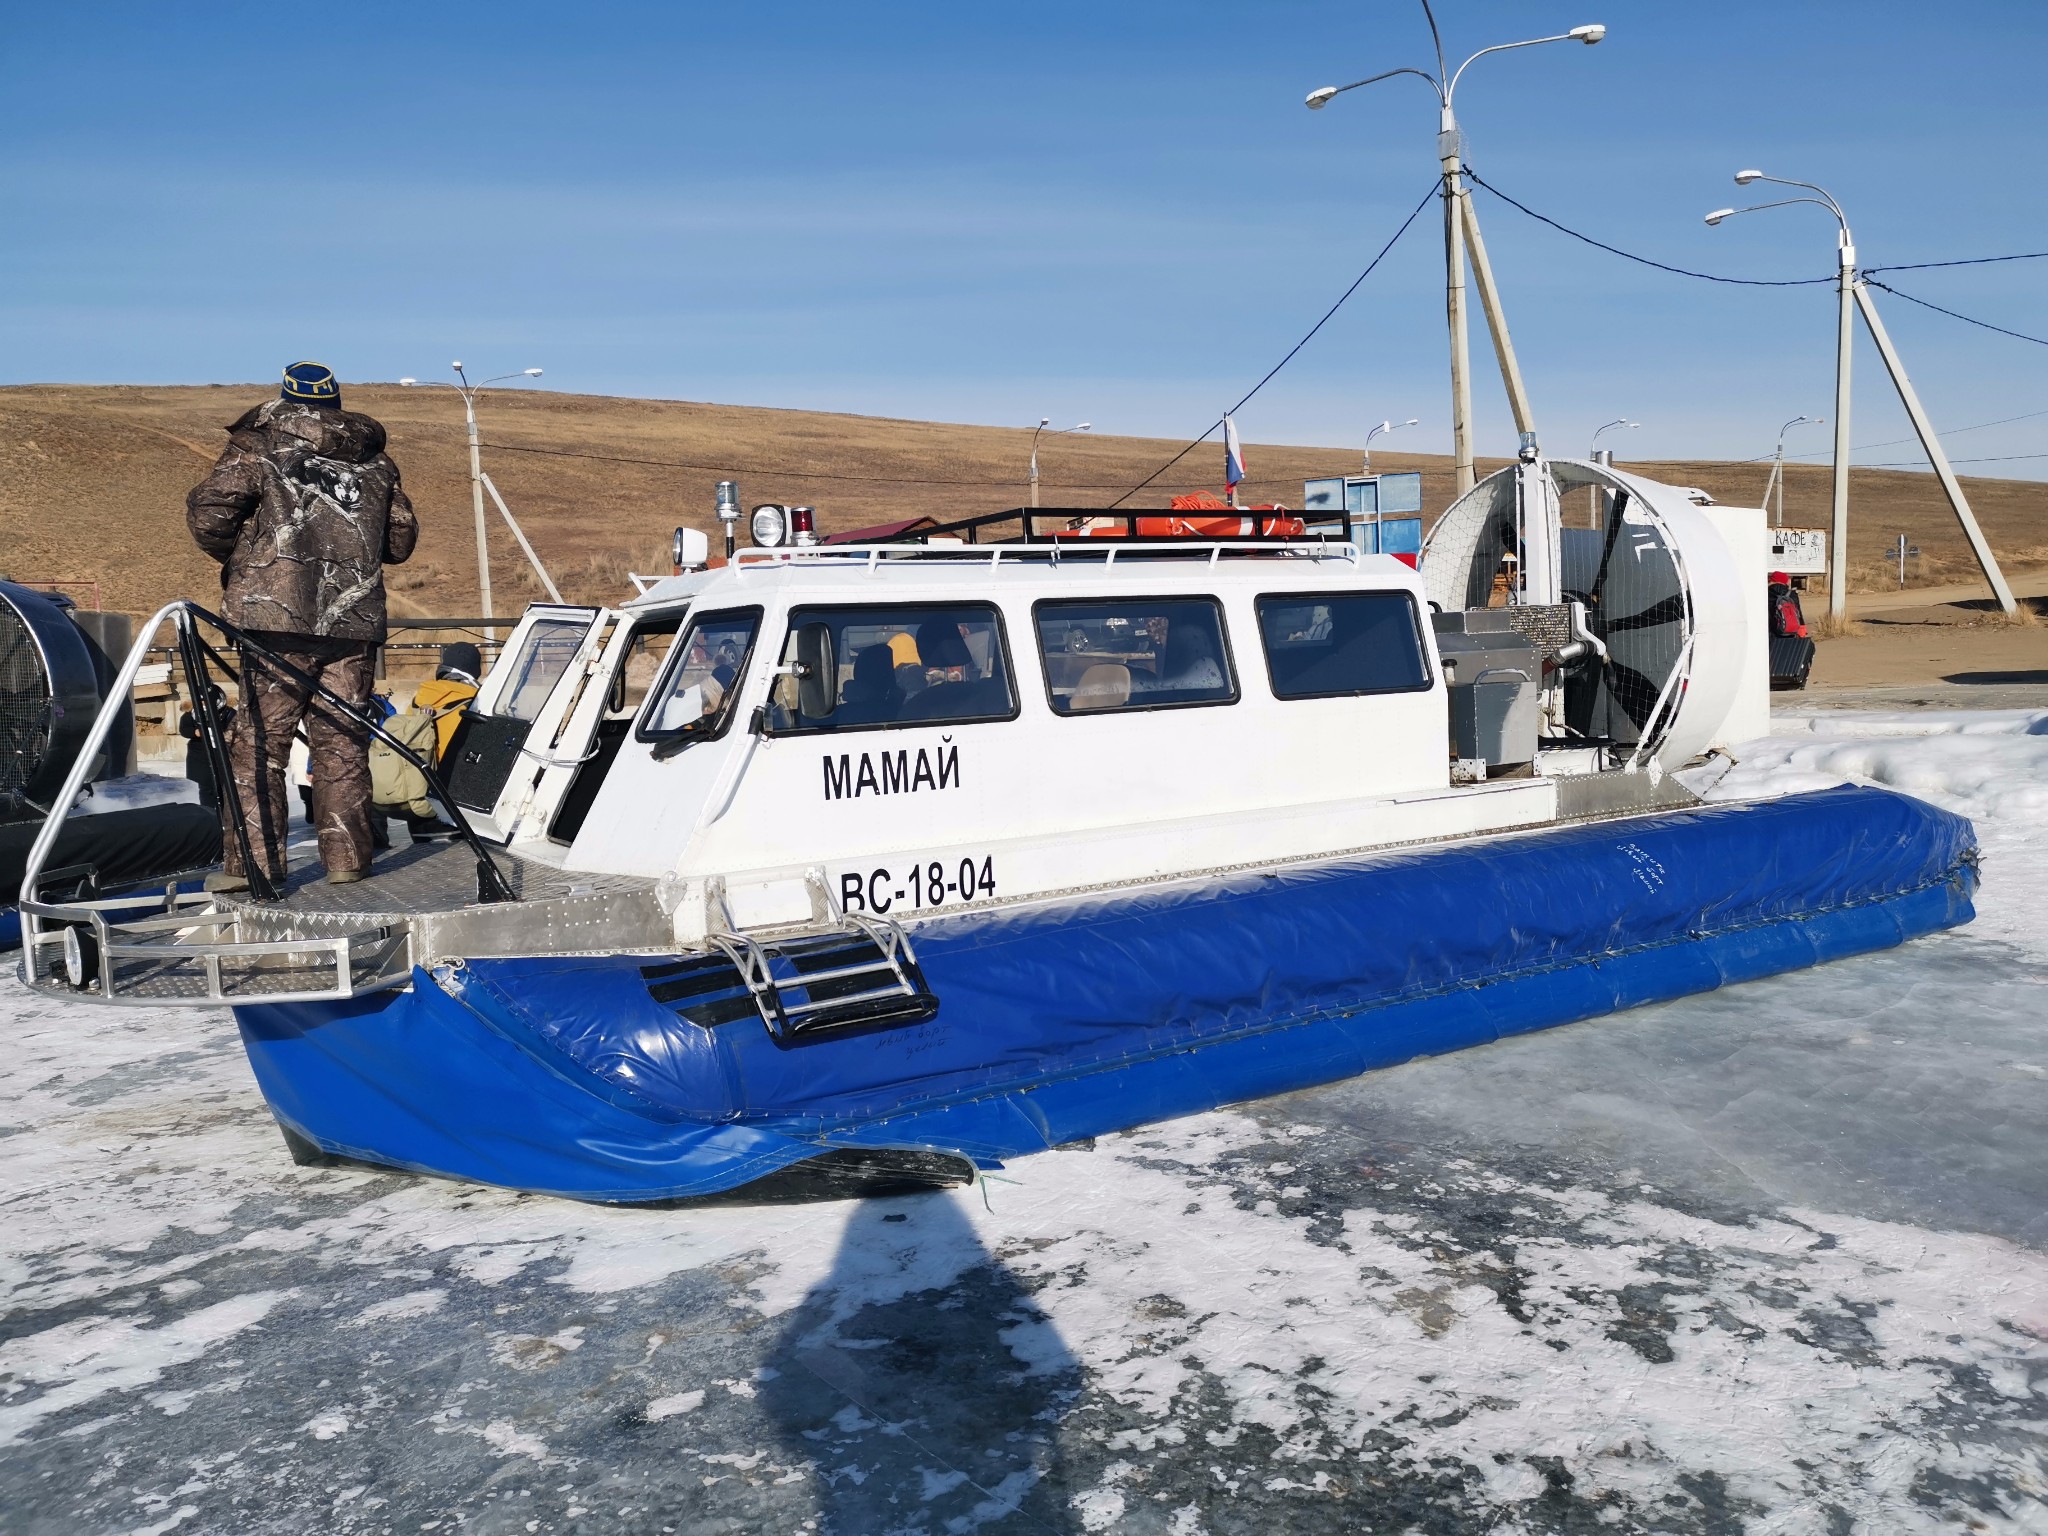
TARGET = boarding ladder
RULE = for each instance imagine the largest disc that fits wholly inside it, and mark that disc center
(842, 970)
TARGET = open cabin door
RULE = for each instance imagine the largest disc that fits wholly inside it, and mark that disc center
(490, 766)
(595, 723)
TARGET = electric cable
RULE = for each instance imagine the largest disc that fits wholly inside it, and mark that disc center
(1661, 266)
(1893, 442)
(1435, 188)
(1952, 314)
(1968, 261)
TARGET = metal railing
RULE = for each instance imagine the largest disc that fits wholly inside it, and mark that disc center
(1065, 551)
(131, 942)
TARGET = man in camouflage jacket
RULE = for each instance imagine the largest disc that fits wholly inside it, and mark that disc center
(303, 511)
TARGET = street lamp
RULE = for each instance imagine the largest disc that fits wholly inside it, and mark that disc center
(1851, 290)
(469, 391)
(1845, 285)
(1383, 427)
(1777, 480)
(1461, 230)
(1043, 423)
(1593, 452)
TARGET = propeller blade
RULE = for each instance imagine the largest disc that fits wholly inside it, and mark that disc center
(1613, 534)
(1670, 611)
(1635, 693)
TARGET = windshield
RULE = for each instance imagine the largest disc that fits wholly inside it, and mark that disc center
(705, 668)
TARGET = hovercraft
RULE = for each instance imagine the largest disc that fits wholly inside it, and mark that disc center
(898, 859)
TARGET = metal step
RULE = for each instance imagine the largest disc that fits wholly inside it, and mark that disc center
(844, 971)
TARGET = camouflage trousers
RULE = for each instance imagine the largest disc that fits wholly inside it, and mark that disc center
(260, 745)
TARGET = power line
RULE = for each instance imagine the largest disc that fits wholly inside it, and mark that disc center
(1972, 261)
(1952, 314)
(1893, 442)
(2003, 458)
(1191, 447)
(1661, 266)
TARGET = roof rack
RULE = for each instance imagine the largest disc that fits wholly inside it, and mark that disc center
(1088, 525)
(1064, 551)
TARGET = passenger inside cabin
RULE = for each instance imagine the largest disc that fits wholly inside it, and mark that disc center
(871, 696)
(943, 653)
(1188, 660)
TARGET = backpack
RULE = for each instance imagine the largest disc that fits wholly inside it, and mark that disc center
(393, 780)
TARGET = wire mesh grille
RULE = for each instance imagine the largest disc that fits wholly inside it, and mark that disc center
(24, 703)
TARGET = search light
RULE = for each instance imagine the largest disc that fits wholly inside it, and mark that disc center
(1588, 35)
(769, 525)
(1744, 178)
(533, 373)
(1319, 98)
(1718, 215)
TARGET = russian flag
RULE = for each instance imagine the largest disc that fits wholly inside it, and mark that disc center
(1233, 454)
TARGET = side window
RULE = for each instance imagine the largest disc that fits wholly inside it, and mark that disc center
(1134, 653)
(697, 691)
(928, 664)
(646, 651)
(1329, 645)
(550, 646)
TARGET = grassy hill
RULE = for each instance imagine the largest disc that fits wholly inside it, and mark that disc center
(93, 481)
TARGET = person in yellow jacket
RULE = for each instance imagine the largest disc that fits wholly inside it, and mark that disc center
(447, 696)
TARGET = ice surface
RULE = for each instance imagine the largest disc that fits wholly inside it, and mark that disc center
(1768, 1260)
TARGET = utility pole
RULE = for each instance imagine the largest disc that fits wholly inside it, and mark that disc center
(1043, 423)
(476, 496)
(469, 392)
(1496, 319)
(1461, 235)
(1777, 481)
(1449, 156)
(1850, 291)
(1987, 562)
(1838, 536)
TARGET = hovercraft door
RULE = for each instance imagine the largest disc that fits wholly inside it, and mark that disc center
(493, 736)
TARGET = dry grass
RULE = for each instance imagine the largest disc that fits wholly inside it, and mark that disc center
(93, 479)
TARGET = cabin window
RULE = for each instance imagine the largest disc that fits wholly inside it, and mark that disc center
(696, 692)
(550, 646)
(1337, 644)
(875, 668)
(1134, 653)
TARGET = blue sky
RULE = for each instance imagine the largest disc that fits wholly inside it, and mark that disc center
(1118, 212)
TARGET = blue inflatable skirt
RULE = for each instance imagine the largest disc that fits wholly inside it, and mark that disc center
(585, 1076)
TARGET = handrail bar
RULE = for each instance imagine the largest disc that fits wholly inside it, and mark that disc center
(873, 555)
(492, 885)
(60, 808)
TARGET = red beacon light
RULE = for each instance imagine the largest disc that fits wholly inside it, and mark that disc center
(803, 525)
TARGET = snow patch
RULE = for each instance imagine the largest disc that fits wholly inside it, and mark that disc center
(78, 1361)
(668, 1407)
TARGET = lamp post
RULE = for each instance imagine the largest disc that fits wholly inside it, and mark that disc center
(1382, 428)
(1851, 291)
(1043, 423)
(1845, 283)
(1593, 452)
(1461, 233)
(469, 391)
(1777, 480)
